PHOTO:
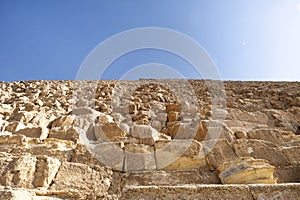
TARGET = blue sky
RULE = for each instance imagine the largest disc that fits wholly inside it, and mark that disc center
(247, 39)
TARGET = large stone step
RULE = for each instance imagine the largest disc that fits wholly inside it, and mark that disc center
(213, 191)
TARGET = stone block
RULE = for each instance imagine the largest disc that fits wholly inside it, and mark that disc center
(63, 121)
(218, 152)
(46, 169)
(173, 107)
(86, 181)
(108, 132)
(173, 116)
(110, 154)
(139, 157)
(247, 170)
(179, 155)
(260, 150)
(64, 133)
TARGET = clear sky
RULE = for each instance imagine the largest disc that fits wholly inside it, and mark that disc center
(247, 39)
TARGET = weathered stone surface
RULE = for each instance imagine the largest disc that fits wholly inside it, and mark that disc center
(46, 123)
(179, 155)
(247, 170)
(260, 150)
(218, 192)
(139, 157)
(280, 191)
(9, 194)
(88, 182)
(146, 134)
(270, 135)
(63, 121)
(17, 171)
(33, 132)
(110, 154)
(173, 116)
(46, 169)
(14, 126)
(292, 153)
(218, 152)
(164, 178)
(108, 132)
(173, 107)
(64, 133)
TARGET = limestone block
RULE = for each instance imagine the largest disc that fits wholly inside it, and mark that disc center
(82, 179)
(270, 135)
(179, 155)
(9, 194)
(240, 134)
(46, 169)
(288, 174)
(132, 108)
(175, 177)
(110, 154)
(108, 132)
(275, 191)
(173, 116)
(260, 149)
(182, 131)
(33, 132)
(63, 121)
(145, 133)
(64, 133)
(218, 152)
(247, 170)
(22, 116)
(105, 119)
(84, 111)
(292, 153)
(156, 125)
(252, 117)
(162, 117)
(173, 107)
(17, 171)
(14, 126)
(139, 157)
(52, 147)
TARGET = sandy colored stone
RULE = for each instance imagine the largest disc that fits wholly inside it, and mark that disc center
(146, 134)
(33, 132)
(64, 133)
(247, 170)
(178, 155)
(139, 157)
(270, 135)
(260, 150)
(85, 180)
(17, 171)
(46, 169)
(63, 121)
(218, 152)
(173, 116)
(262, 121)
(108, 132)
(173, 107)
(110, 154)
(14, 126)
(9, 194)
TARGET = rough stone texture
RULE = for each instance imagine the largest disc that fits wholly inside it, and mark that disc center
(219, 192)
(81, 179)
(9, 194)
(124, 139)
(247, 171)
